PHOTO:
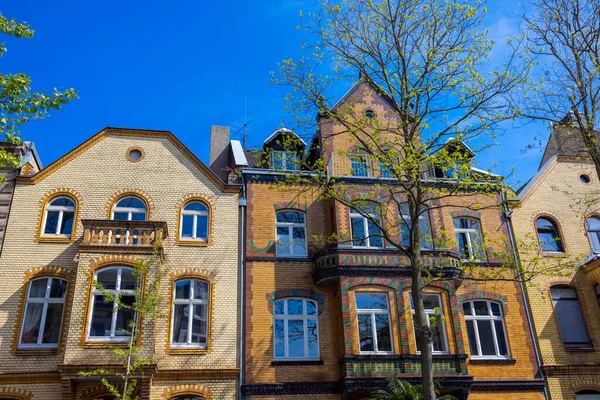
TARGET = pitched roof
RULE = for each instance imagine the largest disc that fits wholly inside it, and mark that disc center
(282, 131)
(112, 131)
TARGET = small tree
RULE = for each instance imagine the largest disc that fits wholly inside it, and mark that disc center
(563, 36)
(18, 103)
(145, 308)
(402, 390)
(430, 61)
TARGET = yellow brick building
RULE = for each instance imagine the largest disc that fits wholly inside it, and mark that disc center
(308, 301)
(95, 210)
(555, 219)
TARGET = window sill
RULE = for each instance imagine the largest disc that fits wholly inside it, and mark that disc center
(188, 350)
(193, 243)
(36, 352)
(292, 258)
(553, 254)
(492, 361)
(280, 363)
(54, 239)
(579, 347)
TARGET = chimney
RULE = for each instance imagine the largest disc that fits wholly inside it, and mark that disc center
(219, 141)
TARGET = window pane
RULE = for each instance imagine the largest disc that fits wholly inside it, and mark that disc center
(38, 288)
(52, 324)
(570, 321)
(131, 202)
(543, 223)
(125, 316)
(311, 308)
(299, 241)
(481, 308)
(417, 336)
(439, 342)
(200, 290)
(431, 301)
(313, 338)
(295, 307)
(291, 162)
(128, 280)
(496, 309)
(138, 216)
(426, 239)
(202, 227)
(477, 245)
(358, 232)
(62, 201)
(67, 223)
(375, 239)
(187, 226)
(283, 240)
(279, 338)
(195, 206)
(120, 216)
(31, 325)
(463, 245)
(278, 307)
(384, 341)
(467, 308)
(180, 323)
(182, 290)
(51, 222)
(371, 301)
(199, 324)
(563, 292)
(101, 317)
(278, 159)
(595, 240)
(290, 216)
(548, 241)
(486, 338)
(58, 288)
(501, 338)
(296, 338)
(107, 278)
(365, 332)
(472, 339)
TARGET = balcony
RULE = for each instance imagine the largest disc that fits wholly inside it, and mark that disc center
(121, 236)
(362, 166)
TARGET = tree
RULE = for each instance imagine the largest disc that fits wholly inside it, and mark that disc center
(430, 60)
(563, 36)
(18, 103)
(144, 308)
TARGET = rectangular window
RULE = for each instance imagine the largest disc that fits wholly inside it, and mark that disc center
(424, 224)
(568, 315)
(434, 312)
(469, 239)
(284, 161)
(365, 232)
(360, 165)
(485, 329)
(296, 332)
(374, 328)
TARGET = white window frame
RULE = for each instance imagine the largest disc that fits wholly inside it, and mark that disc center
(367, 239)
(468, 232)
(45, 301)
(492, 318)
(61, 210)
(368, 165)
(285, 317)
(116, 291)
(430, 312)
(591, 232)
(372, 312)
(130, 210)
(191, 303)
(284, 159)
(423, 215)
(290, 226)
(195, 214)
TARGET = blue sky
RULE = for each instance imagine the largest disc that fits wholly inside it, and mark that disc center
(183, 66)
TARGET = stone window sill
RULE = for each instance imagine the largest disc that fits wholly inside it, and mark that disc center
(492, 361)
(279, 363)
(579, 347)
(36, 352)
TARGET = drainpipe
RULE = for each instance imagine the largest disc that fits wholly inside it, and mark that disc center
(508, 215)
(242, 275)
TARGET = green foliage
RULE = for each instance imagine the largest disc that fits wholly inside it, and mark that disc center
(122, 383)
(18, 102)
(402, 390)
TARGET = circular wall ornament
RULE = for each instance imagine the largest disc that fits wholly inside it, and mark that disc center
(135, 154)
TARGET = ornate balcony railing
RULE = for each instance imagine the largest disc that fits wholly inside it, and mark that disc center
(110, 235)
(394, 365)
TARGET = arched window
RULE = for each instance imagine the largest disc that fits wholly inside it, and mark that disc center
(187, 397)
(59, 217)
(291, 233)
(129, 209)
(374, 327)
(190, 314)
(587, 395)
(548, 235)
(593, 229)
(486, 330)
(296, 329)
(194, 221)
(435, 311)
(43, 313)
(469, 239)
(108, 322)
(569, 315)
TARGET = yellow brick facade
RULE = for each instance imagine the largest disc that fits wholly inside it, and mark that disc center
(557, 192)
(97, 171)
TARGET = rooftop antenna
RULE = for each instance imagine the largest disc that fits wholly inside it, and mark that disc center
(243, 126)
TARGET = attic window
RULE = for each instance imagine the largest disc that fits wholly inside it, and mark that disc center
(370, 114)
(584, 178)
(284, 161)
(135, 154)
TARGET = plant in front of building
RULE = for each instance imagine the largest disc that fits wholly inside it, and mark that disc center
(123, 383)
(18, 103)
(403, 390)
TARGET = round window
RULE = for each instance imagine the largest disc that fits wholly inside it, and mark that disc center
(370, 114)
(584, 178)
(135, 154)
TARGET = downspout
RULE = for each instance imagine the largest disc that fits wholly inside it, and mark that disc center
(511, 236)
(242, 252)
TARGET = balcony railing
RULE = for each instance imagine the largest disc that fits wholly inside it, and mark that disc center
(356, 165)
(394, 365)
(135, 236)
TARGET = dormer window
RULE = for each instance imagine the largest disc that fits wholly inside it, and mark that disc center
(284, 161)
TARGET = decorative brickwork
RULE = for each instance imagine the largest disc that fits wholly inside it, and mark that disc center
(46, 198)
(292, 205)
(15, 393)
(484, 295)
(305, 293)
(189, 390)
(132, 148)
